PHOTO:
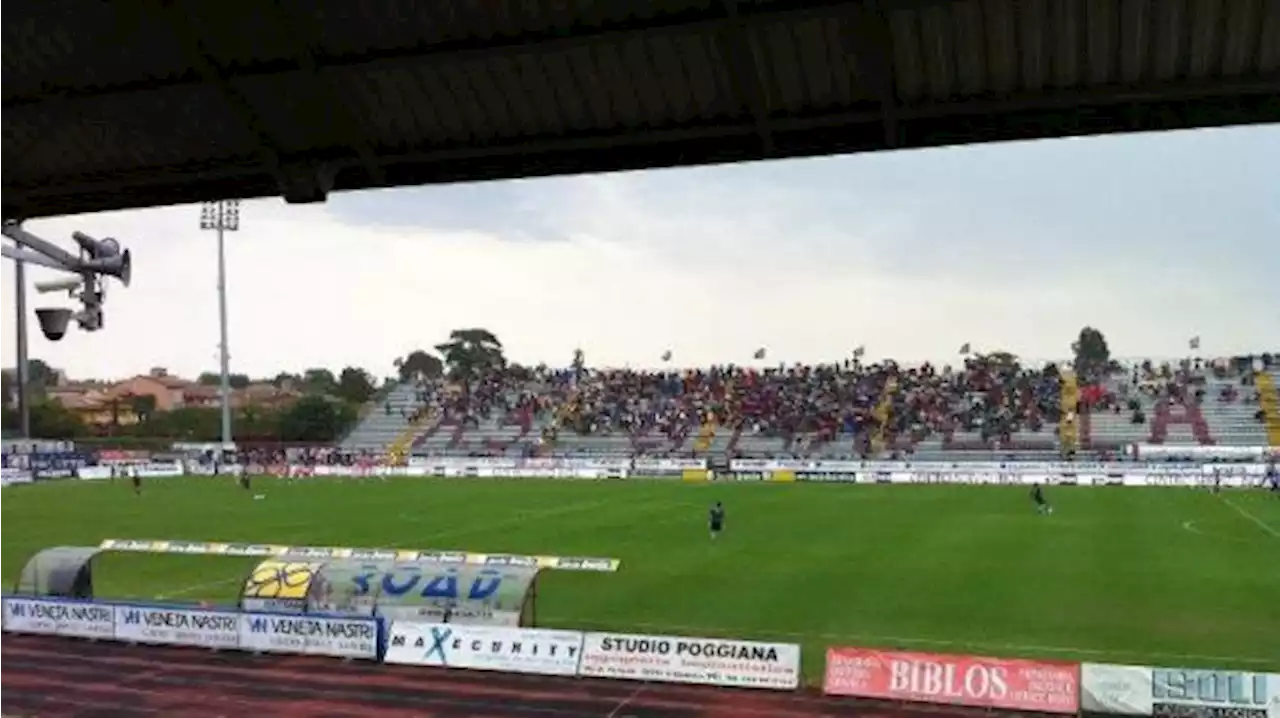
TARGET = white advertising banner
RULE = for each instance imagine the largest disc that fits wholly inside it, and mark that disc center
(177, 626)
(93, 473)
(341, 637)
(679, 659)
(59, 618)
(486, 648)
(1178, 692)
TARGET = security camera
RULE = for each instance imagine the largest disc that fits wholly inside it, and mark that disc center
(54, 322)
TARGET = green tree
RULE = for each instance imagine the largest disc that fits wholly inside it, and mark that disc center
(355, 385)
(40, 376)
(142, 406)
(51, 420)
(419, 365)
(10, 387)
(471, 352)
(315, 418)
(1092, 355)
(239, 381)
(209, 378)
(319, 381)
(191, 423)
(285, 379)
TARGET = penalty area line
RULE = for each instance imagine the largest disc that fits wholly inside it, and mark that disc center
(1257, 521)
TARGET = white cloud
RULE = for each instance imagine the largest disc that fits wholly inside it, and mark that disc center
(810, 259)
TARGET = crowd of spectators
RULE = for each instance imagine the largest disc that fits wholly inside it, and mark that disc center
(990, 395)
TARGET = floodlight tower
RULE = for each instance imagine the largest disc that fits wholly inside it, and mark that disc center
(222, 216)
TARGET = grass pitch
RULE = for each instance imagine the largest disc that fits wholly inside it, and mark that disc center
(1159, 576)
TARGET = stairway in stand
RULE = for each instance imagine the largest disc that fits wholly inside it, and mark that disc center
(399, 448)
(706, 433)
(1269, 401)
(1068, 427)
(882, 413)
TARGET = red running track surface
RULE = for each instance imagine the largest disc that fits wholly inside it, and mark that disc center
(59, 677)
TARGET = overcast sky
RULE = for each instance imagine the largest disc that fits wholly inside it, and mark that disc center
(1151, 238)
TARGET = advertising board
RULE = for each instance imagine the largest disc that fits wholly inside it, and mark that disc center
(1010, 684)
(9, 477)
(60, 618)
(177, 626)
(312, 635)
(486, 648)
(682, 659)
(1178, 692)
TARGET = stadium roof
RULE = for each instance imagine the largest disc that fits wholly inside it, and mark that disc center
(138, 103)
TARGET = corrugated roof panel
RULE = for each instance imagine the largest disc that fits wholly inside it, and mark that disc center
(1171, 41)
(813, 57)
(570, 103)
(1102, 41)
(431, 91)
(540, 93)
(1034, 44)
(970, 45)
(1001, 29)
(586, 77)
(1269, 41)
(836, 34)
(671, 63)
(708, 102)
(506, 75)
(453, 76)
(387, 106)
(904, 28)
(938, 51)
(294, 112)
(1243, 28)
(779, 69)
(1136, 40)
(641, 75)
(147, 129)
(63, 43)
(492, 100)
(1067, 17)
(624, 99)
(1207, 26)
(240, 33)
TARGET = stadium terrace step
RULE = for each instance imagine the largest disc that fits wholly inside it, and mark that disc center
(1269, 403)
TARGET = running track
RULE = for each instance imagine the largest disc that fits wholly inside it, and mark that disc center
(60, 677)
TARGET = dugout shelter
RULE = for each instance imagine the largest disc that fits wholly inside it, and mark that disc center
(59, 572)
(396, 590)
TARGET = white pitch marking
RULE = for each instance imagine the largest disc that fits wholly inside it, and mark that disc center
(1259, 522)
(626, 701)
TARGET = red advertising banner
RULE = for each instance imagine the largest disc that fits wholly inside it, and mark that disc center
(1013, 684)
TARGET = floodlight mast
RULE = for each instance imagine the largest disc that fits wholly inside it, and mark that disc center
(97, 259)
(221, 217)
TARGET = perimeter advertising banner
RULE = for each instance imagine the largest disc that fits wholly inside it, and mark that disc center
(1010, 684)
(682, 659)
(1179, 692)
(487, 648)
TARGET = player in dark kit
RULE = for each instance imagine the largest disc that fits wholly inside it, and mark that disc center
(1037, 497)
(137, 483)
(244, 477)
(716, 517)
